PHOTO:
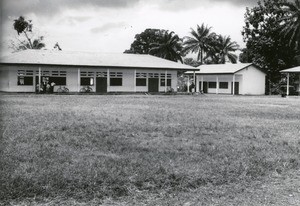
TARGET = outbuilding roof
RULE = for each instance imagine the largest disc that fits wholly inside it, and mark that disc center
(291, 70)
(221, 68)
(92, 59)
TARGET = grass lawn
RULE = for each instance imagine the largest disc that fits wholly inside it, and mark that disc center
(149, 150)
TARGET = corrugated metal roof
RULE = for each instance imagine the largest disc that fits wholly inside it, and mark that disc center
(220, 68)
(291, 70)
(72, 58)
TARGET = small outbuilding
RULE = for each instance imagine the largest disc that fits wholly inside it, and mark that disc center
(245, 79)
(29, 70)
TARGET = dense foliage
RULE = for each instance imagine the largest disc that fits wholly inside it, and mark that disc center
(271, 33)
(161, 43)
(210, 47)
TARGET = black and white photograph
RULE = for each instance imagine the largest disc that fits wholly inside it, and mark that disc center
(150, 102)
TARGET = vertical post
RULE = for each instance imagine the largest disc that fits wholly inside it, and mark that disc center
(194, 81)
(299, 86)
(233, 84)
(108, 80)
(78, 80)
(197, 84)
(288, 84)
(217, 85)
(40, 79)
(188, 84)
(166, 72)
(134, 81)
(202, 79)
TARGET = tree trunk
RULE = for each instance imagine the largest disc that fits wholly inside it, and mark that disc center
(29, 40)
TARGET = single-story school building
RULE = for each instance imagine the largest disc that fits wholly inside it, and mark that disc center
(27, 70)
(245, 79)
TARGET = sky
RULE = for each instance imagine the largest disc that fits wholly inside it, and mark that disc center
(110, 25)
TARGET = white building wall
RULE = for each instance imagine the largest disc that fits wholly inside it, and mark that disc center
(127, 82)
(9, 78)
(4, 78)
(221, 78)
(72, 80)
(253, 81)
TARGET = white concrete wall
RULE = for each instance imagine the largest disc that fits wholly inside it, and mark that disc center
(221, 78)
(9, 81)
(4, 78)
(253, 81)
(9, 78)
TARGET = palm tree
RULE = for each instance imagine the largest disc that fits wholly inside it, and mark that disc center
(36, 44)
(200, 42)
(23, 26)
(291, 26)
(168, 47)
(225, 49)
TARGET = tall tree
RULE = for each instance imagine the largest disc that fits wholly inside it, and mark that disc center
(291, 23)
(262, 34)
(161, 43)
(226, 49)
(222, 50)
(24, 27)
(143, 41)
(199, 42)
(168, 47)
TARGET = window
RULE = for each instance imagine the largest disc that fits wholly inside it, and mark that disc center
(101, 74)
(163, 80)
(25, 77)
(59, 73)
(25, 80)
(86, 81)
(52, 73)
(153, 75)
(212, 85)
(60, 81)
(87, 74)
(141, 79)
(223, 85)
(116, 78)
(86, 78)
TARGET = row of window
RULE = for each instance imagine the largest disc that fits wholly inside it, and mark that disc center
(28, 80)
(222, 85)
(43, 73)
(25, 77)
(85, 81)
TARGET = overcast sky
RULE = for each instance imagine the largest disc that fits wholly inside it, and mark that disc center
(110, 25)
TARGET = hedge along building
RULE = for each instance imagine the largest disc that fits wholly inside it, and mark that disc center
(23, 71)
(246, 79)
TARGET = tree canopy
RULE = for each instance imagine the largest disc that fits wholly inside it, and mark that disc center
(210, 47)
(291, 23)
(161, 43)
(266, 41)
(200, 42)
(24, 27)
(168, 47)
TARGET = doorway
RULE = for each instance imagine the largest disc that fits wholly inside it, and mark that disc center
(153, 84)
(101, 84)
(236, 88)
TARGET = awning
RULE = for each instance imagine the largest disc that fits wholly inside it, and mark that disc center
(291, 70)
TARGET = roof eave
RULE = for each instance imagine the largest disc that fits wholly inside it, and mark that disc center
(100, 66)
